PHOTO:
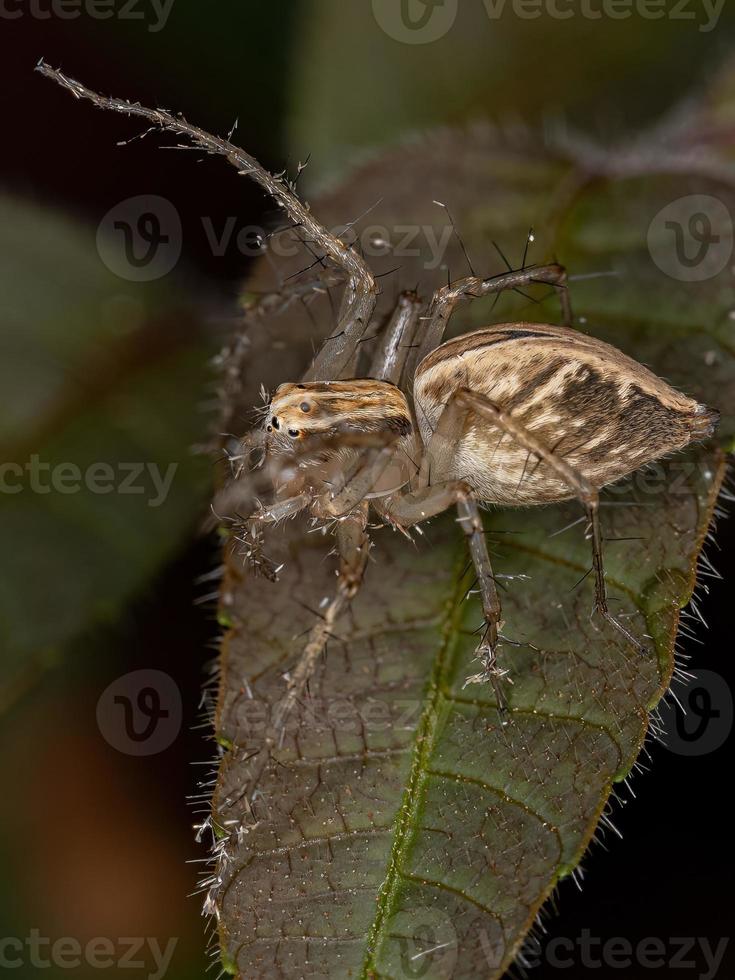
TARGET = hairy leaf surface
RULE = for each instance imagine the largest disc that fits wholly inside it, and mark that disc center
(396, 828)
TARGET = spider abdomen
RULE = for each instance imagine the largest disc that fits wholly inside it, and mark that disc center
(604, 413)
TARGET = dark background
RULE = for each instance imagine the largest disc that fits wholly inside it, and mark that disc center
(96, 842)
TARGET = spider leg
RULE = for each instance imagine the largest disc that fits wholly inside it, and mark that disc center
(353, 545)
(361, 290)
(241, 496)
(236, 355)
(349, 507)
(336, 357)
(248, 532)
(471, 523)
(445, 299)
(239, 502)
(469, 401)
(363, 480)
(407, 509)
(437, 460)
(324, 366)
(395, 344)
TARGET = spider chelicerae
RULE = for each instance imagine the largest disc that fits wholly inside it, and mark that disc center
(514, 414)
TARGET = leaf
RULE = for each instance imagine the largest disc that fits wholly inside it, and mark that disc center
(96, 370)
(395, 828)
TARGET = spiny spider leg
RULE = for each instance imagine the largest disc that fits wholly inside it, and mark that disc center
(347, 368)
(470, 521)
(405, 509)
(353, 545)
(250, 535)
(350, 509)
(280, 510)
(395, 344)
(409, 508)
(363, 480)
(239, 501)
(350, 504)
(235, 357)
(445, 299)
(470, 401)
(361, 290)
(436, 460)
(242, 495)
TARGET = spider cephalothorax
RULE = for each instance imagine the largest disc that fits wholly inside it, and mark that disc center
(324, 427)
(330, 407)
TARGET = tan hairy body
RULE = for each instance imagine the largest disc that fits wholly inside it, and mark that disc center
(515, 414)
(604, 413)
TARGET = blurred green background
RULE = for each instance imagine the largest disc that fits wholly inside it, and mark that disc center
(95, 366)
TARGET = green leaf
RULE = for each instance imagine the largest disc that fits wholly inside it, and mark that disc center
(96, 371)
(395, 828)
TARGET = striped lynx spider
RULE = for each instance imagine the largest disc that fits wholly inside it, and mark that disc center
(514, 414)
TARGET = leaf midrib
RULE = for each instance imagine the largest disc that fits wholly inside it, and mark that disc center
(424, 742)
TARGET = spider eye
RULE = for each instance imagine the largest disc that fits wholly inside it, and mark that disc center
(293, 433)
(274, 422)
(305, 407)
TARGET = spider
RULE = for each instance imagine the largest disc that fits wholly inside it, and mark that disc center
(514, 414)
